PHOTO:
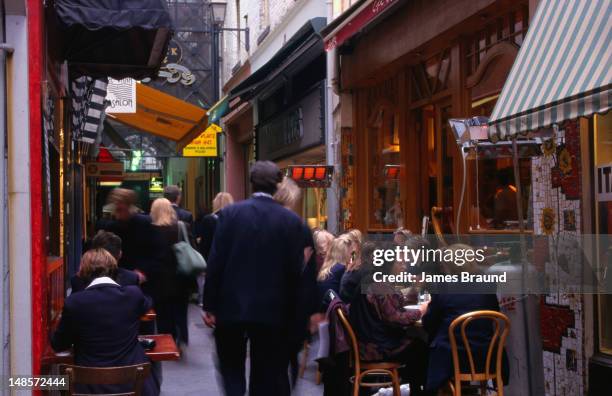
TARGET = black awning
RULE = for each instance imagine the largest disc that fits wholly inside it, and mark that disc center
(126, 38)
(304, 45)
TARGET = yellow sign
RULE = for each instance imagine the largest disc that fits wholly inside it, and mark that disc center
(204, 145)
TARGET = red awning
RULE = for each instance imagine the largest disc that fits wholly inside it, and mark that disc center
(354, 21)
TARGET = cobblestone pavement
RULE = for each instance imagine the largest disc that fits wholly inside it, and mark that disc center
(195, 373)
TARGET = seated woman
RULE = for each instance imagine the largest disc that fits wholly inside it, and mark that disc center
(442, 310)
(102, 321)
(385, 330)
(336, 260)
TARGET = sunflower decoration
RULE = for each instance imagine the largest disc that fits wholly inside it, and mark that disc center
(547, 221)
(549, 147)
(565, 161)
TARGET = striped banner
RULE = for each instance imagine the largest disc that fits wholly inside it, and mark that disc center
(562, 71)
(87, 107)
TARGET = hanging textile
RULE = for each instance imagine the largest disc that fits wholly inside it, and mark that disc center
(87, 107)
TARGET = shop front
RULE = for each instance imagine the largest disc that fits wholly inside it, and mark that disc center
(287, 95)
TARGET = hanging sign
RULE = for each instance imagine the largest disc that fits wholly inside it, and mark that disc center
(121, 95)
(604, 183)
(156, 185)
(204, 145)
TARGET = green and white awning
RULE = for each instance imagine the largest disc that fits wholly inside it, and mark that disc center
(562, 71)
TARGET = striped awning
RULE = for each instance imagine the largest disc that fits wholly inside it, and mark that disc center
(562, 70)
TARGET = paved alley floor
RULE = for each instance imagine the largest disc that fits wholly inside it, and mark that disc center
(195, 373)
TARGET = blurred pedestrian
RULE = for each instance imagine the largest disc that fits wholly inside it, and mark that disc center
(173, 194)
(254, 269)
(289, 195)
(173, 295)
(139, 251)
(209, 222)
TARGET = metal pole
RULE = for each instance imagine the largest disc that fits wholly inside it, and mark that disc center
(215, 65)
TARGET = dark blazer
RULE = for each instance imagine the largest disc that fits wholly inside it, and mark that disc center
(171, 286)
(442, 310)
(183, 215)
(207, 226)
(255, 264)
(332, 282)
(101, 323)
(124, 278)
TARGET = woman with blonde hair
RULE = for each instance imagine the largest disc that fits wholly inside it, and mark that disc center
(322, 242)
(333, 267)
(173, 292)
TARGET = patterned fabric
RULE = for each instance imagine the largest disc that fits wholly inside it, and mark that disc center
(88, 96)
(389, 309)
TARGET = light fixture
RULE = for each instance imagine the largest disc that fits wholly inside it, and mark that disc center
(391, 172)
(311, 175)
(218, 11)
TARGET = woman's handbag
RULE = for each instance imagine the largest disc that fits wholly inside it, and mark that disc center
(190, 261)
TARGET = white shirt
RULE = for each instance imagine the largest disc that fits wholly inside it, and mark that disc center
(102, 280)
(262, 194)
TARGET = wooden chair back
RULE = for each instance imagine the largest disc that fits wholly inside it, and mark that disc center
(495, 349)
(348, 329)
(135, 375)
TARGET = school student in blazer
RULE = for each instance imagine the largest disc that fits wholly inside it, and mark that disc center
(101, 322)
(251, 287)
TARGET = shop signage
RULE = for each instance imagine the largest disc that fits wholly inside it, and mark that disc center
(204, 145)
(296, 129)
(604, 183)
(156, 185)
(360, 19)
(104, 169)
(121, 95)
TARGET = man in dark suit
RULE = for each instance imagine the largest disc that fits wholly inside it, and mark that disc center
(112, 244)
(251, 287)
(173, 194)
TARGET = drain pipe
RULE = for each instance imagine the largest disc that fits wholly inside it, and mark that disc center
(331, 144)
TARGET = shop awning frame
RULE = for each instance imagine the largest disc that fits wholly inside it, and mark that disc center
(562, 70)
(164, 115)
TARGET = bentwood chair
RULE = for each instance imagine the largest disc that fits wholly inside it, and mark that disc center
(134, 375)
(495, 350)
(365, 370)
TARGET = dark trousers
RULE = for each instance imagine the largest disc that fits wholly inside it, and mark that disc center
(172, 319)
(269, 359)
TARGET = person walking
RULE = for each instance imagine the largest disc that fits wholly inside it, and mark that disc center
(173, 194)
(254, 267)
(208, 223)
(174, 289)
(139, 251)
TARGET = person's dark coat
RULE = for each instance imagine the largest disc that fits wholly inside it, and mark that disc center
(173, 289)
(332, 282)
(183, 215)
(206, 231)
(101, 323)
(139, 250)
(442, 310)
(124, 278)
(255, 264)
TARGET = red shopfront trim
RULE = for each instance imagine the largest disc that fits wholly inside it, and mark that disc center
(34, 14)
(356, 22)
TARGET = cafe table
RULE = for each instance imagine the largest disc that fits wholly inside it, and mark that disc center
(165, 350)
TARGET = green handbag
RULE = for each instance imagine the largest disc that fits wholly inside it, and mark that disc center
(190, 261)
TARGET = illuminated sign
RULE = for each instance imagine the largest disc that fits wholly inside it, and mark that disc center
(205, 145)
(156, 185)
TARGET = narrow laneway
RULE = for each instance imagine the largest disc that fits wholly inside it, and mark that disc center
(195, 373)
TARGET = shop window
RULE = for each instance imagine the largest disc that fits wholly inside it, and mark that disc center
(492, 192)
(603, 214)
(339, 6)
(431, 76)
(510, 27)
(384, 164)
